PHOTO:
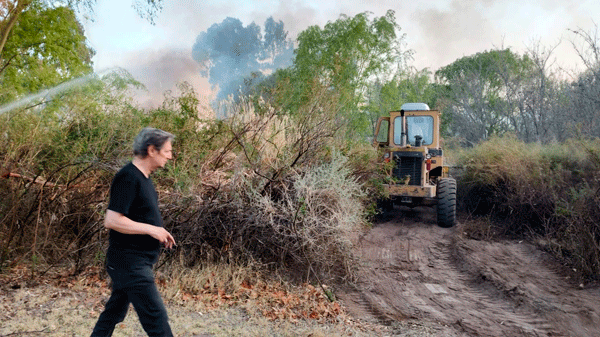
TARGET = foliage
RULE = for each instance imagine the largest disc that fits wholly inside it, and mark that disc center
(547, 191)
(11, 12)
(257, 186)
(477, 87)
(40, 56)
(406, 86)
(344, 56)
(499, 91)
(55, 163)
(273, 192)
(585, 90)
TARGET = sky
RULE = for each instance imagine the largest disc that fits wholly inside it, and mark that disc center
(438, 31)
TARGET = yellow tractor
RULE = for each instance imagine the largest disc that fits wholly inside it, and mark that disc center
(410, 139)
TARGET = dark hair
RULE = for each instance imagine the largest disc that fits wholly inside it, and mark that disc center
(150, 136)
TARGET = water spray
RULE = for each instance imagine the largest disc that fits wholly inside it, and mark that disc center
(49, 93)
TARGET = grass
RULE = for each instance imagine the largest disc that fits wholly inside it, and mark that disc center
(64, 305)
(547, 192)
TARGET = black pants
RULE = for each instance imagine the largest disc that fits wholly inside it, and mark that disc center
(134, 285)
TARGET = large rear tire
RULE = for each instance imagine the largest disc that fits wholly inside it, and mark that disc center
(446, 202)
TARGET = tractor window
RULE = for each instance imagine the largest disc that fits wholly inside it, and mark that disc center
(416, 125)
(398, 130)
(384, 128)
(420, 126)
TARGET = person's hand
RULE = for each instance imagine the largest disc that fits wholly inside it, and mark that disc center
(163, 236)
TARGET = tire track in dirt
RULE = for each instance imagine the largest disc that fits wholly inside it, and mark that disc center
(531, 279)
(412, 269)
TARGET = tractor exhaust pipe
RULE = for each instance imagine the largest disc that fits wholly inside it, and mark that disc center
(403, 134)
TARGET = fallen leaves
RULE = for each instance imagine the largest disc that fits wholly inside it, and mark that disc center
(272, 301)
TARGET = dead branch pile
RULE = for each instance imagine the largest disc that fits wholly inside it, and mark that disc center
(306, 222)
(48, 224)
(275, 194)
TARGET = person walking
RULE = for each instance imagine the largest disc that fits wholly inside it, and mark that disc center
(135, 235)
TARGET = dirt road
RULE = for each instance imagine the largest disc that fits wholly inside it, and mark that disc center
(413, 270)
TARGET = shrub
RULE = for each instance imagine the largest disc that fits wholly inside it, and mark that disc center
(260, 185)
(56, 162)
(275, 192)
(550, 191)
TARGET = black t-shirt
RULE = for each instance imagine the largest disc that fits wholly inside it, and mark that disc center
(133, 195)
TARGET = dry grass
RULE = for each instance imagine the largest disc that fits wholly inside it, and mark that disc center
(530, 190)
(65, 305)
(62, 312)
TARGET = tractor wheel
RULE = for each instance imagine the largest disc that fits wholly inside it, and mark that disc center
(446, 202)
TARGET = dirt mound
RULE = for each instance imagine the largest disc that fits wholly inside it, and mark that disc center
(413, 270)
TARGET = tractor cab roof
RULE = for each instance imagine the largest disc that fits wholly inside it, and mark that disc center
(414, 106)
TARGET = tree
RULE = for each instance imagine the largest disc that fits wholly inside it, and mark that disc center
(41, 55)
(477, 86)
(277, 47)
(233, 55)
(11, 11)
(407, 86)
(585, 90)
(540, 105)
(346, 55)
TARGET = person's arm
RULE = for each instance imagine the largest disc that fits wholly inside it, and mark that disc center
(122, 224)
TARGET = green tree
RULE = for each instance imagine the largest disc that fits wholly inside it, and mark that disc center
(405, 87)
(478, 91)
(345, 56)
(46, 47)
(11, 12)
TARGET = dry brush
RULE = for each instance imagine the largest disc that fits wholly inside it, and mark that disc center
(549, 193)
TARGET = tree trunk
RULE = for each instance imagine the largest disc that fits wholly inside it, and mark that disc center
(13, 10)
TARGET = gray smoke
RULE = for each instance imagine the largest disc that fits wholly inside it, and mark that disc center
(161, 70)
(464, 27)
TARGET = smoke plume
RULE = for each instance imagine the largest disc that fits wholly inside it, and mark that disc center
(160, 71)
